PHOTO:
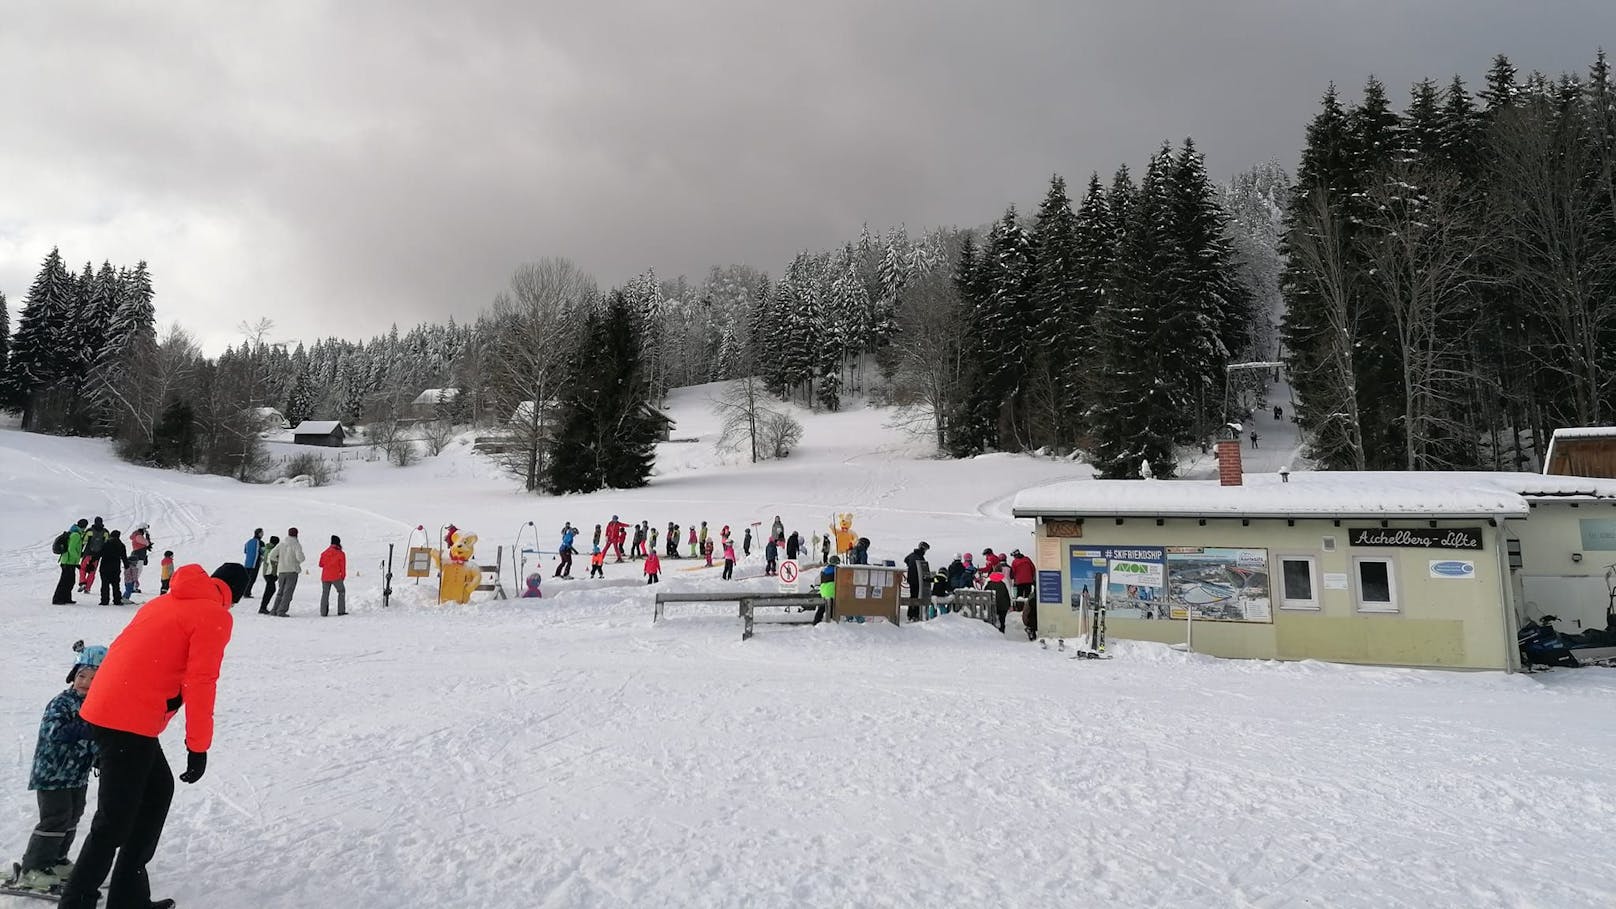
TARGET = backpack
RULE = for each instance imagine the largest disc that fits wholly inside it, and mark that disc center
(59, 545)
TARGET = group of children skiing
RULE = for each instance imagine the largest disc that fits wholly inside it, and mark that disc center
(87, 551)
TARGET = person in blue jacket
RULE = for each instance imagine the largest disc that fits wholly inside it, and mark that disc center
(564, 560)
(252, 558)
(61, 777)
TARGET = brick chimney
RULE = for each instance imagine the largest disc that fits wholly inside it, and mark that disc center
(1229, 469)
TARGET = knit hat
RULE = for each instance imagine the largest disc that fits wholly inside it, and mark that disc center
(235, 577)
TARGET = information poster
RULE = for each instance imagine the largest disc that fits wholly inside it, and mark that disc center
(1129, 578)
(1218, 584)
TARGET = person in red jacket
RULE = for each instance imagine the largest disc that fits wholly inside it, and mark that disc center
(653, 568)
(334, 574)
(167, 657)
(614, 536)
(1024, 574)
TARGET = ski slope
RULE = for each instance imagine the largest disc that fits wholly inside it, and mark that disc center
(567, 753)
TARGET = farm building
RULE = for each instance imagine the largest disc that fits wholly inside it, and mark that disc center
(427, 404)
(1409, 569)
(327, 433)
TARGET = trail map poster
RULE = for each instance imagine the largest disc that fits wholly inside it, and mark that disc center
(1218, 584)
(1129, 578)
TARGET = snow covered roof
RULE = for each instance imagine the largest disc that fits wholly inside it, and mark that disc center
(1574, 433)
(1316, 494)
(437, 396)
(316, 428)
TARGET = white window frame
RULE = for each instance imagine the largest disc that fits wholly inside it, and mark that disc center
(1392, 608)
(1285, 602)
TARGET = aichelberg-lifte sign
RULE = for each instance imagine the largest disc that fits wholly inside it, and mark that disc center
(1416, 537)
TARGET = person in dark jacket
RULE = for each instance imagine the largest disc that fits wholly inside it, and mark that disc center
(918, 569)
(860, 553)
(957, 577)
(793, 545)
(61, 777)
(113, 555)
(1001, 597)
(673, 540)
(746, 543)
(771, 554)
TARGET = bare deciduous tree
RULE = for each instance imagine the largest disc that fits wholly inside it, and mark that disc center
(1426, 255)
(530, 334)
(1320, 246)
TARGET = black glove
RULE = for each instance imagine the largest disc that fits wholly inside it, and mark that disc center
(196, 764)
(175, 703)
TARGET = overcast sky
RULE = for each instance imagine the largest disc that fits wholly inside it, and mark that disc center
(337, 166)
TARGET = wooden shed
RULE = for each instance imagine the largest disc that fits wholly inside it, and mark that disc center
(325, 433)
(1582, 451)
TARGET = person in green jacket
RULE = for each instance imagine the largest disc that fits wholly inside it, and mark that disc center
(827, 588)
(69, 562)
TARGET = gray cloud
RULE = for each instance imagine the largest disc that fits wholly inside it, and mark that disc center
(337, 166)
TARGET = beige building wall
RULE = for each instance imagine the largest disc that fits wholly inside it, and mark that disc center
(1552, 580)
(1441, 621)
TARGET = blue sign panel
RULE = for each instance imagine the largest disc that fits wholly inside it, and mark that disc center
(1049, 587)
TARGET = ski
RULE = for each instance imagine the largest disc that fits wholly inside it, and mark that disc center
(9, 887)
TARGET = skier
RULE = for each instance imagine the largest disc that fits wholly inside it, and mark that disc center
(614, 536)
(746, 543)
(942, 593)
(637, 550)
(1023, 574)
(271, 563)
(702, 537)
(793, 544)
(139, 551)
(778, 531)
(651, 545)
(724, 533)
(167, 656)
(597, 534)
(71, 544)
(288, 565)
(693, 551)
(597, 561)
(955, 573)
(165, 570)
(564, 562)
(532, 590)
(673, 540)
(916, 563)
(253, 557)
(771, 553)
(824, 549)
(61, 778)
(1001, 597)
(333, 575)
(653, 568)
(94, 539)
(729, 559)
(991, 561)
(707, 551)
(112, 556)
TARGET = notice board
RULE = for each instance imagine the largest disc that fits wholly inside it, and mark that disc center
(867, 590)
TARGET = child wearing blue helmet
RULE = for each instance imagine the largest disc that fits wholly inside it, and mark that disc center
(60, 778)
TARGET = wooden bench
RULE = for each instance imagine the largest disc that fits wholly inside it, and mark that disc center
(746, 605)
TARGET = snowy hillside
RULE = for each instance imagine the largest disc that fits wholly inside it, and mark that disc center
(566, 752)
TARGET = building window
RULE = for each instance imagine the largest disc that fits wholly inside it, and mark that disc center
(1377, 585)
(1299, 585)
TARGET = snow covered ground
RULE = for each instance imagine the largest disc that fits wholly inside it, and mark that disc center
(566, 752)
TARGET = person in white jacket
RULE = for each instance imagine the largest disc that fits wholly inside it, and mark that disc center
(288, 565)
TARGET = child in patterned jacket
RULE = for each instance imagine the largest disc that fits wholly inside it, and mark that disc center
(61, 777)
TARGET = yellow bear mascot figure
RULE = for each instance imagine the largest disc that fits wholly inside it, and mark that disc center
(846, 539)
(458, 575)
